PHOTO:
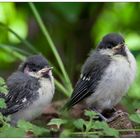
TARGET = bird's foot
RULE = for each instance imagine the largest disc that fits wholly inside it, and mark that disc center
(118, 113)
(114, 109)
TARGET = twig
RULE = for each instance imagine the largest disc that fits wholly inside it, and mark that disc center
(52, 46)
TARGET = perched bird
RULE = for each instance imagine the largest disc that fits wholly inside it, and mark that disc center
(31, 88)
(106, 75)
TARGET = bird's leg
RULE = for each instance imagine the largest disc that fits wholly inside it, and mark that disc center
(99, 114)
(114, 109)
(116, 114)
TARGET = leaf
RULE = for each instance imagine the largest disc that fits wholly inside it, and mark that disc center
(79, 124)
(27, 126)
(100, 125)
(11, 132)
(3, 87)
(7, 118)
(135, 118)
(24, 125)
(111, 132)
(65, 134)
(89, 125)
(91, 114)
(57, 122)
(2, 103)
(106, 129)
(3, 90)
(136, 104)
(2, 81)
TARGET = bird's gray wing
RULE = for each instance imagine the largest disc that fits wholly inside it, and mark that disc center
(22, 91)
(92, 72)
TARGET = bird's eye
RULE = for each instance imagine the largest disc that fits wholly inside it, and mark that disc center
(109, 46)
(34, 69)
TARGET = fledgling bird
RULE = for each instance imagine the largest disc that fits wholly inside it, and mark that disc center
(31, 88)
(106, 75)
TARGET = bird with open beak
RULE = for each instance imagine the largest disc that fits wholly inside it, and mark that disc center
(106, 75)
(31, 89)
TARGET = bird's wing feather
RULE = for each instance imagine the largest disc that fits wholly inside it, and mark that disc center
(22, 91)
(91, 74)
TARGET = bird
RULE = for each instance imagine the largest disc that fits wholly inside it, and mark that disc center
(106, 75)
(30, 89)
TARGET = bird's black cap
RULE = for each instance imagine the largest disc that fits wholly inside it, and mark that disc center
(111, 40)
(34, 61)
(37, 60)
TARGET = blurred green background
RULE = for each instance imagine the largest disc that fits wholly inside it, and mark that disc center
(75, 29)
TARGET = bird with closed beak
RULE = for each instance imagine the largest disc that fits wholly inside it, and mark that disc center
(106, 75)
(31, 88)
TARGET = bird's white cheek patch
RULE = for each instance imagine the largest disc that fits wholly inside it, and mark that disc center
(26, 70)
(50, 73)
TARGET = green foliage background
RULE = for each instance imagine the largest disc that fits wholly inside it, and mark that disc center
(74, 29)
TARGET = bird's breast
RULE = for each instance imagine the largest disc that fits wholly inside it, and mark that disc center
(115, 81)
(45, 95)
(46, 90)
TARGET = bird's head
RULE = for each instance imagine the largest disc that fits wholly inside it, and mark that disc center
(36, 66)
(113, 44)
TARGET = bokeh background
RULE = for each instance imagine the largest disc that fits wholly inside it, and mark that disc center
(75, 29)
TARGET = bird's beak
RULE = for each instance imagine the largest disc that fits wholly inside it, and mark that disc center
(45, 70)
(119, 47)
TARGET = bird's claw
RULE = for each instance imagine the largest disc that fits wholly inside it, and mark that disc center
(117, 114)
